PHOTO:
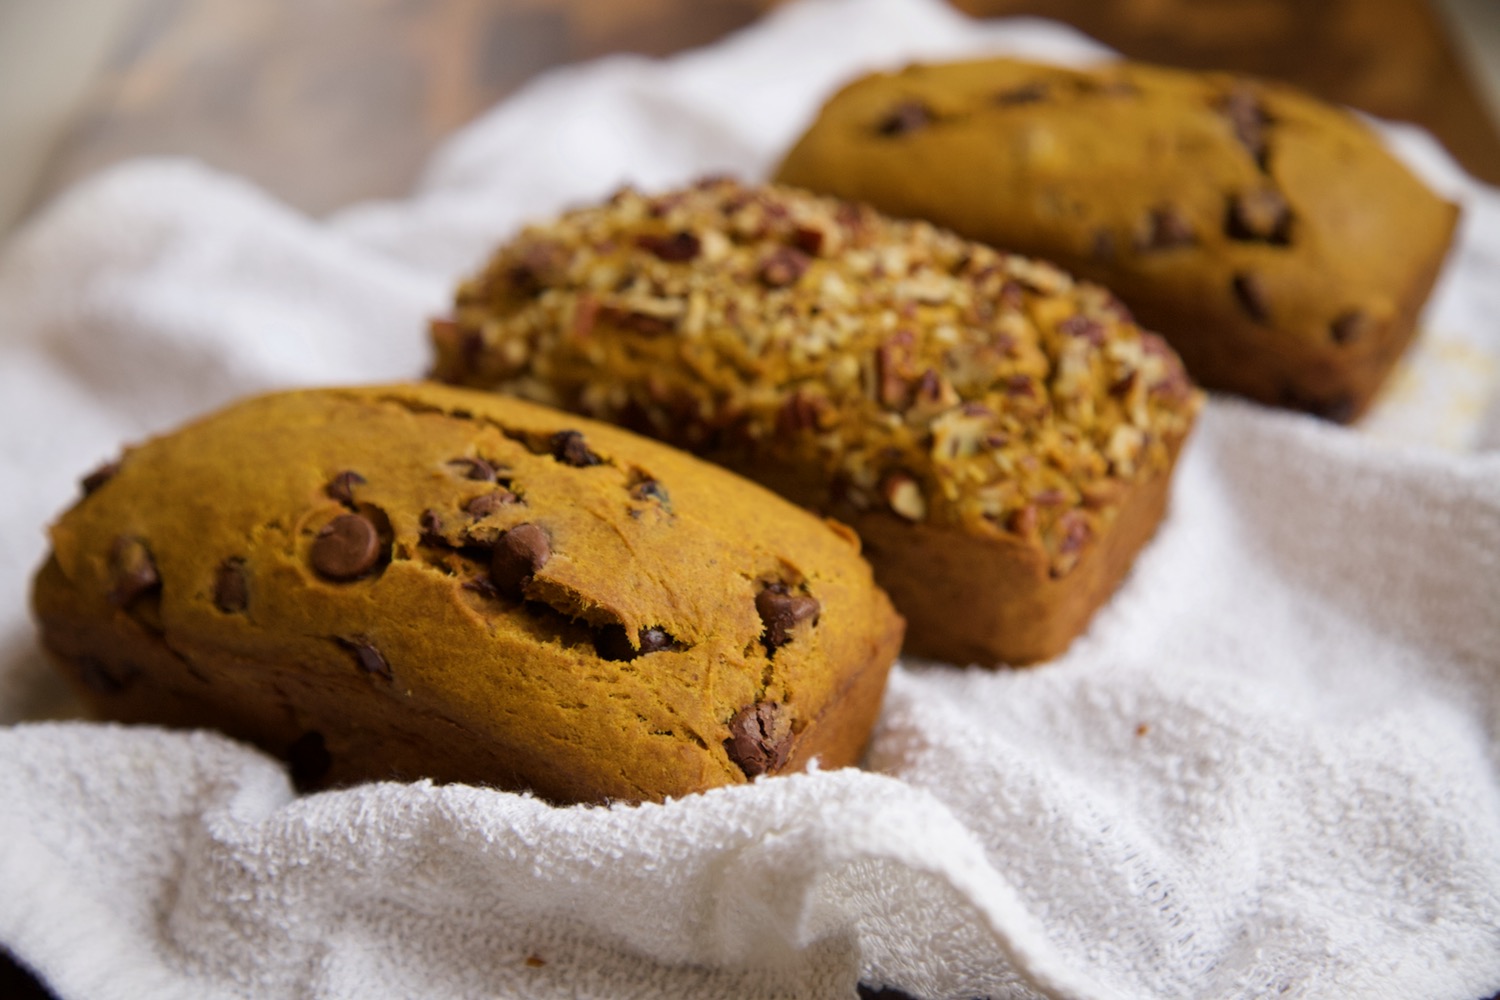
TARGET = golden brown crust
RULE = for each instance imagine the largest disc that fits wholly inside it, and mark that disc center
(852, 363)
(417, 581)
(1269, 237)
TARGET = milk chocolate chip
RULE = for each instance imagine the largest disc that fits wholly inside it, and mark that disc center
(759, 738)
(99, 477)
(476, 469)
(908, 116)
(347, 548)
(780, 611)
(1349, 327)
(341, 486)
(611, 643)
(519, 555)
(133, 570)
(1262, 215)
(569, 448)
(487, 503)
(1166, 227)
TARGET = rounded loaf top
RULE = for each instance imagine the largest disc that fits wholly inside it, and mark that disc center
(1274, 241)
(408, 581)
(885, 364)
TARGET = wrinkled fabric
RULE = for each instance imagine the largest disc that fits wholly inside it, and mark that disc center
(1268, 768)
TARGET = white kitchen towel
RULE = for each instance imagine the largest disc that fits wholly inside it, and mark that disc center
(1270, 767)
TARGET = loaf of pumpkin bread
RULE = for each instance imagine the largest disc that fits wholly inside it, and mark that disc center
(1001, 436)
(419, 581)
(1270, 237)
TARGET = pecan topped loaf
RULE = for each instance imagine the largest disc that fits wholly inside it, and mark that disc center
(1000, 435)
(418, 581)
(1270, 237)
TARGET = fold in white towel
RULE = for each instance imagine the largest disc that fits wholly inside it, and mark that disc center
(1269, 768)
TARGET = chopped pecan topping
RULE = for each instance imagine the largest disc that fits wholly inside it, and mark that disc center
(811, 333)
(679, 247)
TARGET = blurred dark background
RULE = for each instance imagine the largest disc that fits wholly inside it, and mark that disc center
(324, 102)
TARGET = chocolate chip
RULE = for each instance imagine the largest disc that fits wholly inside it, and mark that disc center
(908, 116)
(1338, 408)
(568, 447)
(347, 548)
(611, 643)
(654, 640)
(1262, 215)
(1248, 118)
(476, 469)
(650, 489)
(519, 554)
(1027, 93)
(1250, 293)
(1350, 326)
(780, 611)
(487, 503)
(309, 760)
(1166, 227)
(132, 569)
(783, 266)
(431, 528)
(341, 486)
(759, 738)
(99, 477)
(370, 659)
(678, 247)
(231, 593)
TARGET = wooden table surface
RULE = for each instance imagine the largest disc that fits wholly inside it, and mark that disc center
(331, 102)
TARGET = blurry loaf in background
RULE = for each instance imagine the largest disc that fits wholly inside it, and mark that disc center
(1268, 236)
(1001, 437)
(405, 582)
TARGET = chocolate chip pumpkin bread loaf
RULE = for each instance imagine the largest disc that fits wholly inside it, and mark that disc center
(403, 582)
(1001, 436)
(1268, 236)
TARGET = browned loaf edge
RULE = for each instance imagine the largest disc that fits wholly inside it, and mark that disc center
(1270, 237)
(1001, 435)
(417, 581)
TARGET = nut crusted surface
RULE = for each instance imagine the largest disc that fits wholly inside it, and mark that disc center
(420, 581)
(1270, 237)
(853, 362)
